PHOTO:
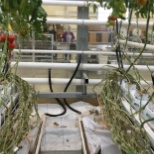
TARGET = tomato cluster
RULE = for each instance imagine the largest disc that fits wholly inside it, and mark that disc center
(10, 38)
(111, 20)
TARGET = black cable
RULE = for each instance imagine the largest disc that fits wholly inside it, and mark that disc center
(65, 89)
(117, 26)
(57, 99)
(68, 84)
(152, 77)
(117, 56)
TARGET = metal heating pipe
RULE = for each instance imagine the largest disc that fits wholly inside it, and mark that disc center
(64, 81)
(93, 67)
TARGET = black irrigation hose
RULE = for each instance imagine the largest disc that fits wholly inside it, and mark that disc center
(68, 84)
(57, 99)
(65, 89)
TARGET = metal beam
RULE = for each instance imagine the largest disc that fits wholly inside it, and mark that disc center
(67, 95)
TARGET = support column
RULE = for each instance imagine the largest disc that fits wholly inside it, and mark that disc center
(82, 43)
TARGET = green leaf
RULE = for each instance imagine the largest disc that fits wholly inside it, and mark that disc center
(122, 17)
(94, 8)
(41, 12)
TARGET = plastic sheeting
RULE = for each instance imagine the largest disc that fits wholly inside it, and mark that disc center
(62, 135)
(98, 137)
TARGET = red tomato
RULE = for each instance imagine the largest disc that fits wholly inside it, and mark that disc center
(11, 45)
(2, 37)
(112, 18)
(141, 2)
(11, 38)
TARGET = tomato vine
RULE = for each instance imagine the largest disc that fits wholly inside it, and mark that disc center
(119, 7)
(22, 15)
(115, 116)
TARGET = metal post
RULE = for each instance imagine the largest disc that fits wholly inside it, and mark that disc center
(52, 43)
(33, 45)
(33, 55)
(82, 42)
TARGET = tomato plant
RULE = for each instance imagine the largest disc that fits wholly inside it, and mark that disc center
(22, 14)
(119, 7)
(16, 16)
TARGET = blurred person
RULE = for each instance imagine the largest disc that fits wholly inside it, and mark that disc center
(68, 37)
(52, 31)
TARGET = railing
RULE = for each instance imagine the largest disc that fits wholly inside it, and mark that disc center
(72, 66)
(95, 67)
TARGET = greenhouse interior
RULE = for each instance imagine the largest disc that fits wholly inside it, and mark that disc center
(76, 76)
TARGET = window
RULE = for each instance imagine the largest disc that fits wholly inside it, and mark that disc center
(98, 37)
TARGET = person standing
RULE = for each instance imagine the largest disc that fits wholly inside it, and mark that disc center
(68, 37)
(52, 31)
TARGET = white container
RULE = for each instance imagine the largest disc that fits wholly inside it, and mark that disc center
(148, 113)
(130, 86)
(5, 98)
(139, 100)
(5, 92)
(141, 96)
(128, 90)
(132, 95)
